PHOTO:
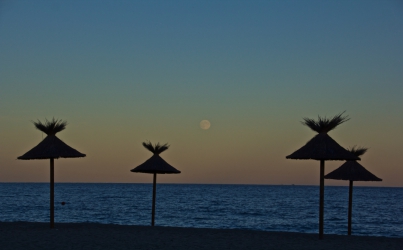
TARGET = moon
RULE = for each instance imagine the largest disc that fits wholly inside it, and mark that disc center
(205, 124)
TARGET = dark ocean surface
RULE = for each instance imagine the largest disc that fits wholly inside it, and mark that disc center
(376, 211)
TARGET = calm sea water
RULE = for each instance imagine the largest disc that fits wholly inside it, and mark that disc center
(376, 211)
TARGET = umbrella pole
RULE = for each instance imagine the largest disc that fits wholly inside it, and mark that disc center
(321, 197)
(350, 206)
(154, 194)
(52, 193)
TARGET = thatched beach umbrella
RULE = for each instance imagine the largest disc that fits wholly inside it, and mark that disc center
(352, 171)
(51, 148)
(155, 165)
(322, 147)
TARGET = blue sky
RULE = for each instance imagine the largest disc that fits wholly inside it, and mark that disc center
(122, 72)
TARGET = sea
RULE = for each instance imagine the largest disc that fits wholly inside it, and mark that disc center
(377, 211)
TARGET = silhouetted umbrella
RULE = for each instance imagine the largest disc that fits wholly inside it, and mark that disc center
(352, 171)
(51, 148)
(322, 147)
(155, 165)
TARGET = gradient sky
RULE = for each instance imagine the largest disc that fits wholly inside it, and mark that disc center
(123, 72)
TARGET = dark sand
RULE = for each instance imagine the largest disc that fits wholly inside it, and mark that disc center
(26, 235)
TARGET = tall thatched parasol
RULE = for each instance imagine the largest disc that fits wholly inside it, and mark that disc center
(322, 147)
(155, 165)
(352, 171)
(51, 148)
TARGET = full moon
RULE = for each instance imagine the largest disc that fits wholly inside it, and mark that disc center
(205, 124)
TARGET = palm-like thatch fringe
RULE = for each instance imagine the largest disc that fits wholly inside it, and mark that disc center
(51, 147)
(322, 147)
(157, 148)
(352, 171)
(357, 151)
(323, 124)
(51, 127)
(156, 165)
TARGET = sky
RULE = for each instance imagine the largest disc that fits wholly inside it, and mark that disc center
(124, 72)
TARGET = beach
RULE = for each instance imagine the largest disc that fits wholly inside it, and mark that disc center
(29, 235)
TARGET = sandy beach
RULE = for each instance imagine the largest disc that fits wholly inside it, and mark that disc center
(26, 235)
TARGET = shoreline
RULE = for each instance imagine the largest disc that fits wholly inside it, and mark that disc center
(37, 235)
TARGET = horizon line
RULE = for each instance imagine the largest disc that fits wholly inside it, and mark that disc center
(169, 183)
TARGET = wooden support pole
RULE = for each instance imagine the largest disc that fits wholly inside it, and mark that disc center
(350, 206)
(321, 197)
(154, 195)
(52, 193)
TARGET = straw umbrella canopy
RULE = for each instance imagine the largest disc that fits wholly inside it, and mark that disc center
(155, 165)
(51, 148)
(352, 171)
(322, 147)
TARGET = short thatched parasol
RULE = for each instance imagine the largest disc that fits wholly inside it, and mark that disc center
(51, 148)
(352, 171)
(322, 147)
(155, 165)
